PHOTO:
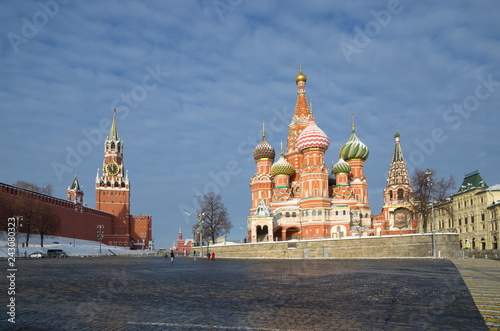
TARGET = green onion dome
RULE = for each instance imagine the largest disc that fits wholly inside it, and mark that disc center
(263, 150)
(282, 167)
(341, 167)
(353, 148)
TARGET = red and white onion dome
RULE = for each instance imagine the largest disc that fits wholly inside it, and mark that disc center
(312, 137)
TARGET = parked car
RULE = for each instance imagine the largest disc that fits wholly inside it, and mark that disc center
(37, 255)
(56, 253)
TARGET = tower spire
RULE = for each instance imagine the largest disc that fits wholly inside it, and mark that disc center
(113, 132)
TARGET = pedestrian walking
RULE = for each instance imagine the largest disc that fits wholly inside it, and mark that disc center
(194, 255)
(172, 256)
(213, 256)
(208, 256)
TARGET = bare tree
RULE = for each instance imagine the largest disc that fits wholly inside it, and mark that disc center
(47, 189)
(7, 209)
(428, 190)
(215, 219)
(46, 222)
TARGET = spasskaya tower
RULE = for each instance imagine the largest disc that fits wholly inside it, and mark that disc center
(113, 196)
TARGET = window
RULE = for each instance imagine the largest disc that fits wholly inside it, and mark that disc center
(319, 212)
(466, 220)
(482, 217)
(343, 212)
(400, 194)
(471, 219)
(294, 214)
(390, 195)
(314, 212)
(336, 213)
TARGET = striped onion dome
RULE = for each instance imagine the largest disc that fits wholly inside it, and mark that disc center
(353, 148)
(341, 167)
(263, 150)
(312, 136)
(282, 167)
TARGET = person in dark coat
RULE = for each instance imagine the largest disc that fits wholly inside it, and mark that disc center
(172, 256)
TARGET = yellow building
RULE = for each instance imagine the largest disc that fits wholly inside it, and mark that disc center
(472, 213)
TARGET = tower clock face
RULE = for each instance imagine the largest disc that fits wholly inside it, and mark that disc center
(112, 169)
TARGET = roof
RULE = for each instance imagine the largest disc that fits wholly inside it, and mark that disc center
(472, 181)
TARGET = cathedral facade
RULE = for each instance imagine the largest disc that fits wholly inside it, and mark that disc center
(299, 197)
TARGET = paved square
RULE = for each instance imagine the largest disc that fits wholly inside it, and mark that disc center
(117, 293)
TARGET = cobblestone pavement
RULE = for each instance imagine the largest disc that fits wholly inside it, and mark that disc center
(482, 277)
(125, 293)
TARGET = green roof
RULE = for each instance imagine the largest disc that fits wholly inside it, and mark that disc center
(472, 181)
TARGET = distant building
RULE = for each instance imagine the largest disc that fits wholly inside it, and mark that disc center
(473, 212)
(183, 247)
(297, 197)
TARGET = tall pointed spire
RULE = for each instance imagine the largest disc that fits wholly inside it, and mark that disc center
(75, 185)
(302, 112)
(398, 174)
(113, 132)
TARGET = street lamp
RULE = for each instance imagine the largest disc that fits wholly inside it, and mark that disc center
(434, 252)
(18, 226)
(200, 229)
(100, 236)
(143, 240)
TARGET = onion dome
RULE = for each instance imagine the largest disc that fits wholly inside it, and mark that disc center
(282, 167)
(341, 167)
(354, 148)
(311, 137)
(263, 150)
(396, 135)
(300, 77)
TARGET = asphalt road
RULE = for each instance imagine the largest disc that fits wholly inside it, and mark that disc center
(151, 293)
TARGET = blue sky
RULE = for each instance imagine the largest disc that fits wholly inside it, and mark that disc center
(192, 82)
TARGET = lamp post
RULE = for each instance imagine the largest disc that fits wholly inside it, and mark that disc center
(143, 240)
(18, 226)
(100, 236)
(200, 222)
(434, 252)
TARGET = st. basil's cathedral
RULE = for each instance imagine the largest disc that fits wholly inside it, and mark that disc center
(298, 197)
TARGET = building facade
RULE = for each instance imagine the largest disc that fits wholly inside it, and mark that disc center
(299, 197)
(472, 213)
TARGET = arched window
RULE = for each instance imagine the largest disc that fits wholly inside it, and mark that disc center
(400, 194)
(343, 212)
(287, 214)
(294, 214)
(390, 195)
(336, 213)
(112, 145)
(314, 212)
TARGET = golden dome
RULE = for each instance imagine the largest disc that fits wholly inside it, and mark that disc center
(300, 77)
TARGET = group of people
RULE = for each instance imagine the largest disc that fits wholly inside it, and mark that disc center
(172, 256)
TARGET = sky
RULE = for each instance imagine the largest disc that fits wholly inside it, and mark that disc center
(192, 82)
